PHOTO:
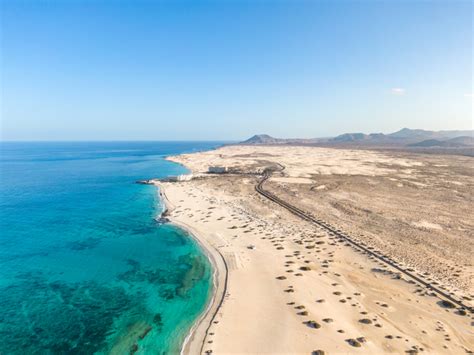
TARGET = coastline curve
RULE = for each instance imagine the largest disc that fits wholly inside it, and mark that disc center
(193, 343)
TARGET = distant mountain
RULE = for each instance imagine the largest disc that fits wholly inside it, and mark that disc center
(407, 133)
(428, 143)
(404, 137)
(353, 137)
(465, 140)
(262, 139)
(449, 143)
(410, 133)
(350, 137)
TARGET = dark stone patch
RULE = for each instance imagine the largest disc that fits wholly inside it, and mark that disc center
(84, 244)
(446, 304)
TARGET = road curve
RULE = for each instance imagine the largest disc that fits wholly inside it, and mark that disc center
(337, 232)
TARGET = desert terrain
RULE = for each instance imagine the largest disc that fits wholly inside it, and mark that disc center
(285, 285)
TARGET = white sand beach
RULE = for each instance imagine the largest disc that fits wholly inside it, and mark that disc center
(288, 286)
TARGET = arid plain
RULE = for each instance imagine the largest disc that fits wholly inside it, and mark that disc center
(285, 285)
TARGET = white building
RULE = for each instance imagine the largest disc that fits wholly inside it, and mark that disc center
(185, 177)
(217, 169)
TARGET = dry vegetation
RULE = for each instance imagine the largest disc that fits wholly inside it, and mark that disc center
(294, 288)
(416, 208)
(422, 217)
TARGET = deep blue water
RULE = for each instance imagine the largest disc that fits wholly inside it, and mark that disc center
(84, 266)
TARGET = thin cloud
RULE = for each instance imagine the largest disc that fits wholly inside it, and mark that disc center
(398, 91)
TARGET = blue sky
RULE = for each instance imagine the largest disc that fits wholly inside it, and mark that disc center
(153, 70)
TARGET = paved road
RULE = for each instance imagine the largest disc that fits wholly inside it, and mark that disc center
(343, 236)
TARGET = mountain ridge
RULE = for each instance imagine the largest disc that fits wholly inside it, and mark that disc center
(403, 137)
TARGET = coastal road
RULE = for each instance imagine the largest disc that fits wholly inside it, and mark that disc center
(447, 300)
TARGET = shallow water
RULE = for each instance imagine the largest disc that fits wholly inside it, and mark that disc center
(84, 267)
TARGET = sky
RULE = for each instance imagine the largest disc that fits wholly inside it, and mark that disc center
(228, 69)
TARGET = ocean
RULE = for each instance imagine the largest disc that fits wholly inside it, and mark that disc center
(84, 266)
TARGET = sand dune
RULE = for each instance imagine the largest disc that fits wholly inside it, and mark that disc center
(291, 286)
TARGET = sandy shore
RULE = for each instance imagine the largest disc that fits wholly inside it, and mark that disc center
(193, 343)
(292, 287)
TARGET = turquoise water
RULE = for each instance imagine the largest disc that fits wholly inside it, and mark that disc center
(84, 266)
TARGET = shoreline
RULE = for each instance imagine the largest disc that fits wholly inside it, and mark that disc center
(193, 343)
(316, 291)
